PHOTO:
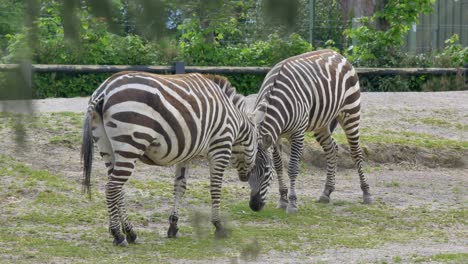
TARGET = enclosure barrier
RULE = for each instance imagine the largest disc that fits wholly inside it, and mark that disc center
(27, 70)
(179, 67)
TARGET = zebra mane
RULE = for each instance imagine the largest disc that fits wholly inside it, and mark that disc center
(237, 99)
(264, 96)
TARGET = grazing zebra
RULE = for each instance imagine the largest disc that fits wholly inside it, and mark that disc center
(165, 120)
(308, 92)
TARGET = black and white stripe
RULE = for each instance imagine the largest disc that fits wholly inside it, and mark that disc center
(166, 120)
(308, 92)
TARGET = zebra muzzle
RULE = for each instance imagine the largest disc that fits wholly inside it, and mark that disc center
(256, 202)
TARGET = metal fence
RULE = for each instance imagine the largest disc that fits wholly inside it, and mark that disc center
(449, 17)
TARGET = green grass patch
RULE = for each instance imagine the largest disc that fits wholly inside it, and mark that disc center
(370, 169)
(432, 121)
(52, 219)
(437, 122)
(409, 138)
(392, 184)
(28, 177)
(462, 257)
(442, 258)
(62, 128)
(392, 137)
(71, 140)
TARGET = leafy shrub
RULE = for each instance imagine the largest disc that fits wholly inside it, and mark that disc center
(97, 46)
(378, 46)
(217, 44)
(453, 54)
(382, 48)
(197, 48)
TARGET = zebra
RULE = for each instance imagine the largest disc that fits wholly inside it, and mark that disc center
(165, 120)
(309, 92)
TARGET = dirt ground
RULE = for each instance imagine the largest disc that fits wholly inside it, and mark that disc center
(435, 186)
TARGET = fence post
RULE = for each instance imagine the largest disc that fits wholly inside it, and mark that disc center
(179, 67)
(465, 75)
(25, 84)
(311, 21)
(412, 38)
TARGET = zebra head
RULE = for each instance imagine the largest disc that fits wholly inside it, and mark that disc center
(244, 149)
(244, 152)
(260, 178)
(261, 174)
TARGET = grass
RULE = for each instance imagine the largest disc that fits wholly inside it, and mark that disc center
(431, 121)
(392, 184)
(371, 169)
(442, 258)
(392, 137)
(63, 129)
(437, 122)
(462, 257)
(46, 217)
(397, 259)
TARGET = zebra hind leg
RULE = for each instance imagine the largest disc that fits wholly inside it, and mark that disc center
(180, 185)
(329, 146)
(283, 189)
(118, 218)
(127, 226)
(350, 126)
(108, 156)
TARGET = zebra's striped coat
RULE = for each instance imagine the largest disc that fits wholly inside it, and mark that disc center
(308, 92)
(165, 120)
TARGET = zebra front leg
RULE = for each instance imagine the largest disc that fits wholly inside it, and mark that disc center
(180, 185)
(297, 145)
(217, 167)
(329, 146)
(283, 189)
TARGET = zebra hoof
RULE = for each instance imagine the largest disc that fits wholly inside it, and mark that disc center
(282, 204)
(367, 199)
(324, 199)
(122, 243)
(221, 233)
(291, 208)
(132, 237)
(292, 205)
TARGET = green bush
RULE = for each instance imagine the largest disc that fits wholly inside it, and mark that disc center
(202, 47)
(66, 85)
(219, 43)
(98, 46)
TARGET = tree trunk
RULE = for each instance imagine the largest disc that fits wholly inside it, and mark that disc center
(359, 8)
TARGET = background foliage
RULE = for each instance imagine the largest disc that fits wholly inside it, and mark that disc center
(209, 32)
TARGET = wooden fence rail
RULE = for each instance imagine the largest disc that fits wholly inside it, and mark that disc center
(181, 68)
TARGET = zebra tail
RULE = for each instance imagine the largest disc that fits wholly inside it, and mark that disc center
(87, 151)
(333, 124)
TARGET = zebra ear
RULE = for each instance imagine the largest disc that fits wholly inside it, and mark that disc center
(266, 141)
(259, 112)
(257, 116)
